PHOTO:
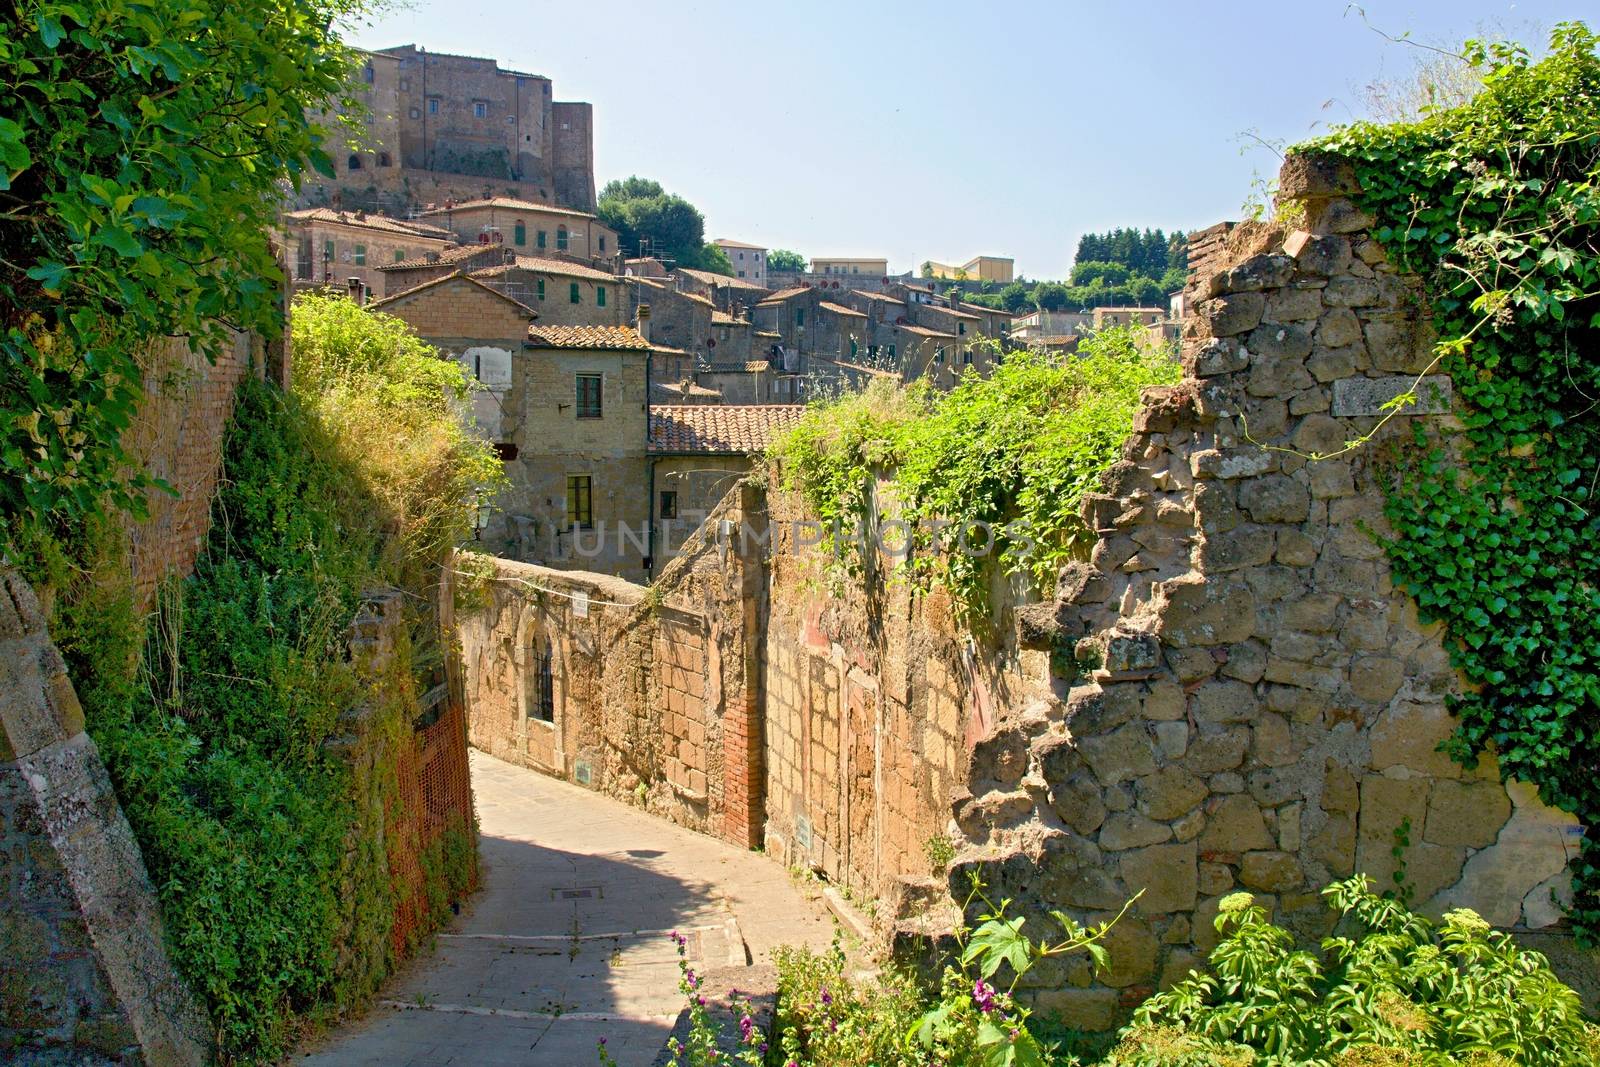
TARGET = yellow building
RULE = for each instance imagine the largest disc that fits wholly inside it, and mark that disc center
(977, 269)
(874, 268)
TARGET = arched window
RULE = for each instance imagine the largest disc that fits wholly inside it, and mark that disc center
(561, 239)
(355, 162)
(519, 234)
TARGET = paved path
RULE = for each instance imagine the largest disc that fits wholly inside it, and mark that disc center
(567, 942)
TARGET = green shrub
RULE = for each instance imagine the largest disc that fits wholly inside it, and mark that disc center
(1022, 446)
(1390, 987)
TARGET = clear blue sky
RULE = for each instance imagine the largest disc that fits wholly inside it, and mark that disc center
(940, 130)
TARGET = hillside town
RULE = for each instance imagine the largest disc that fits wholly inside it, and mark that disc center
(457, 610)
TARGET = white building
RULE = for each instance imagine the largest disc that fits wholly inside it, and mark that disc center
(749, 261)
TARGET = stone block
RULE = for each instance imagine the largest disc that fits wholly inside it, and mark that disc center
(1531, 848)
(1198, 612)
(1126, 829)
(1318, 254)
(1246, 661)
(1352, 292)
(1275, 498)
(1220, 356)
(1320, 435)
(1292, 305)
(1408, 735)
(1220, 701)
(1466, 813)
(1376, 678)
(1172, 739)
(1169, 793)
(1215, 878)
(1339, 328)
(1273, 872)
(1270, 742)
(1353, 397)
(1133, 949)
(1244, 546)
(1219, 749)
(1226, 316)
(1234, 824)
(1167, 874)
(1164, 702)
(1331, 364)
(1334, 845)
(1078, 802)
(1265, 271)
(1091, 1010)
(1295, 549)
(1316, 176)
(1121, 755)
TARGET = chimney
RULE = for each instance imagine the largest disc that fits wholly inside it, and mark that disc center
(354, 286)
(644, 321)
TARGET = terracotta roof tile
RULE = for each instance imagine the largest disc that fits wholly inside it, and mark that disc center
(882, 298)
(719, 429)
(510, 204)
(923, 331)
(706, 277)
(786, 294)
(371, 222)
(612, 338)
(545, 265)
(458, 254)
(722, 318)
(726, 243)
(840, 309)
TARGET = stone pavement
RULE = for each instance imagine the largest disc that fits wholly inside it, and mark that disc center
(567, 940)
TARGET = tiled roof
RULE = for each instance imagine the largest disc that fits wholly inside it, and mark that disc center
(456, 277)
(840, 309)
(705, 277)
(740, 367)
(722, 318)
(545, 265)
(679, 391)
(612, 338)
(371, 222)
(786, 294)
(510, 204)
(719, 429)
(936, 309)
(882, 298)
(923, 331)
(458, 254)
(725, 243)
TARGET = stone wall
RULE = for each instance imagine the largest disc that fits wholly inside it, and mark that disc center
(1261, 708)
(84, 972)
(653, 695)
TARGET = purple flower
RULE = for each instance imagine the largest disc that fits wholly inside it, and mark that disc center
(827, 997)
(983, 995)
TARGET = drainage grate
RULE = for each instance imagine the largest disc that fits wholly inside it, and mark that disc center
(583, 892)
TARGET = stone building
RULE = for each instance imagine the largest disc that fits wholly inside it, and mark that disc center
(1228, 694)
(749, 261)
(438, 126)
(1033, 327)
(732, 295)
(330, 247)
(410, 273)
(528, 229)
(846, 268)
(564, 293)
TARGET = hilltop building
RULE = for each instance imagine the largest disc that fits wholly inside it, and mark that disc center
(441, 127)
(749, 261)
(997, 269)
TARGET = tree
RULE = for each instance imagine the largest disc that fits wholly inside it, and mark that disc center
(1014, 297)
(785, 260)
(143, 153)
(1094, 272)
(651, 221)
(713, 259)
(1050, 296)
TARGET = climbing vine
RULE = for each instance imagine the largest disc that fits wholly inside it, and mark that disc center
(990, 474)
(1495, 204)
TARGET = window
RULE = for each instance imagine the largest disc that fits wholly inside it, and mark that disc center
(741, 257)
(354, 162)
(599, 296)
(853, 348)
(741, 274)
(580, 511)
(799, 316)
(589, 396)
(669, 505)
(416, 113)
(938, 355)
(329, 252)
(433, 105)
(399, 255)
(891, 352)
(561, 239)
(367, 74)
(384, 160)
(540, 239)
(966, 359)
(480, 109)
(519, 234)
(361, 255)
(405, 85)
(302, 264)
(602, 242)
(541, 288)
(574, 295)
(961, 327)
(545, 709)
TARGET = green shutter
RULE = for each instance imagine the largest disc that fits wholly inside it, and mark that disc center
(520, 234)
(600, 296)
(541, 288)
(541, 238)
(575, 296)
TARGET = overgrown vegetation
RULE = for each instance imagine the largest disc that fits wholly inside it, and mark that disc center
(1496, 205)
(275, 881)
(1011, 456)
(142, 147)
(1388, 989)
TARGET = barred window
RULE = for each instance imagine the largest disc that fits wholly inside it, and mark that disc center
(589, 396)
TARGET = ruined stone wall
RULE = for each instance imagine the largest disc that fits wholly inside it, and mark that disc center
(874, 699)
(84, 972)
(1261, 707)
(654, 695)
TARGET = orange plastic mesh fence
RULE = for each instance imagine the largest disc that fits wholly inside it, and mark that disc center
(435, 794)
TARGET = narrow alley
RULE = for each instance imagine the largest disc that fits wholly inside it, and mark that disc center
(567, 941)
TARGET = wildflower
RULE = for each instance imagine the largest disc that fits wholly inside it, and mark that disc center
(983, 995)
(827, 997)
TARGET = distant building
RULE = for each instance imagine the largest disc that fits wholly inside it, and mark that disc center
(977, 269)
(1030, 329)
(528, 228)
(331, 247)
(439, 126)
(872, 268)
(749, 261)
(1104, 317)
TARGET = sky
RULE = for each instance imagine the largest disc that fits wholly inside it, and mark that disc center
(939, 130)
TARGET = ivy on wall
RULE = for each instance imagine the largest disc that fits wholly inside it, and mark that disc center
(1496, 205)
(1015, 452)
